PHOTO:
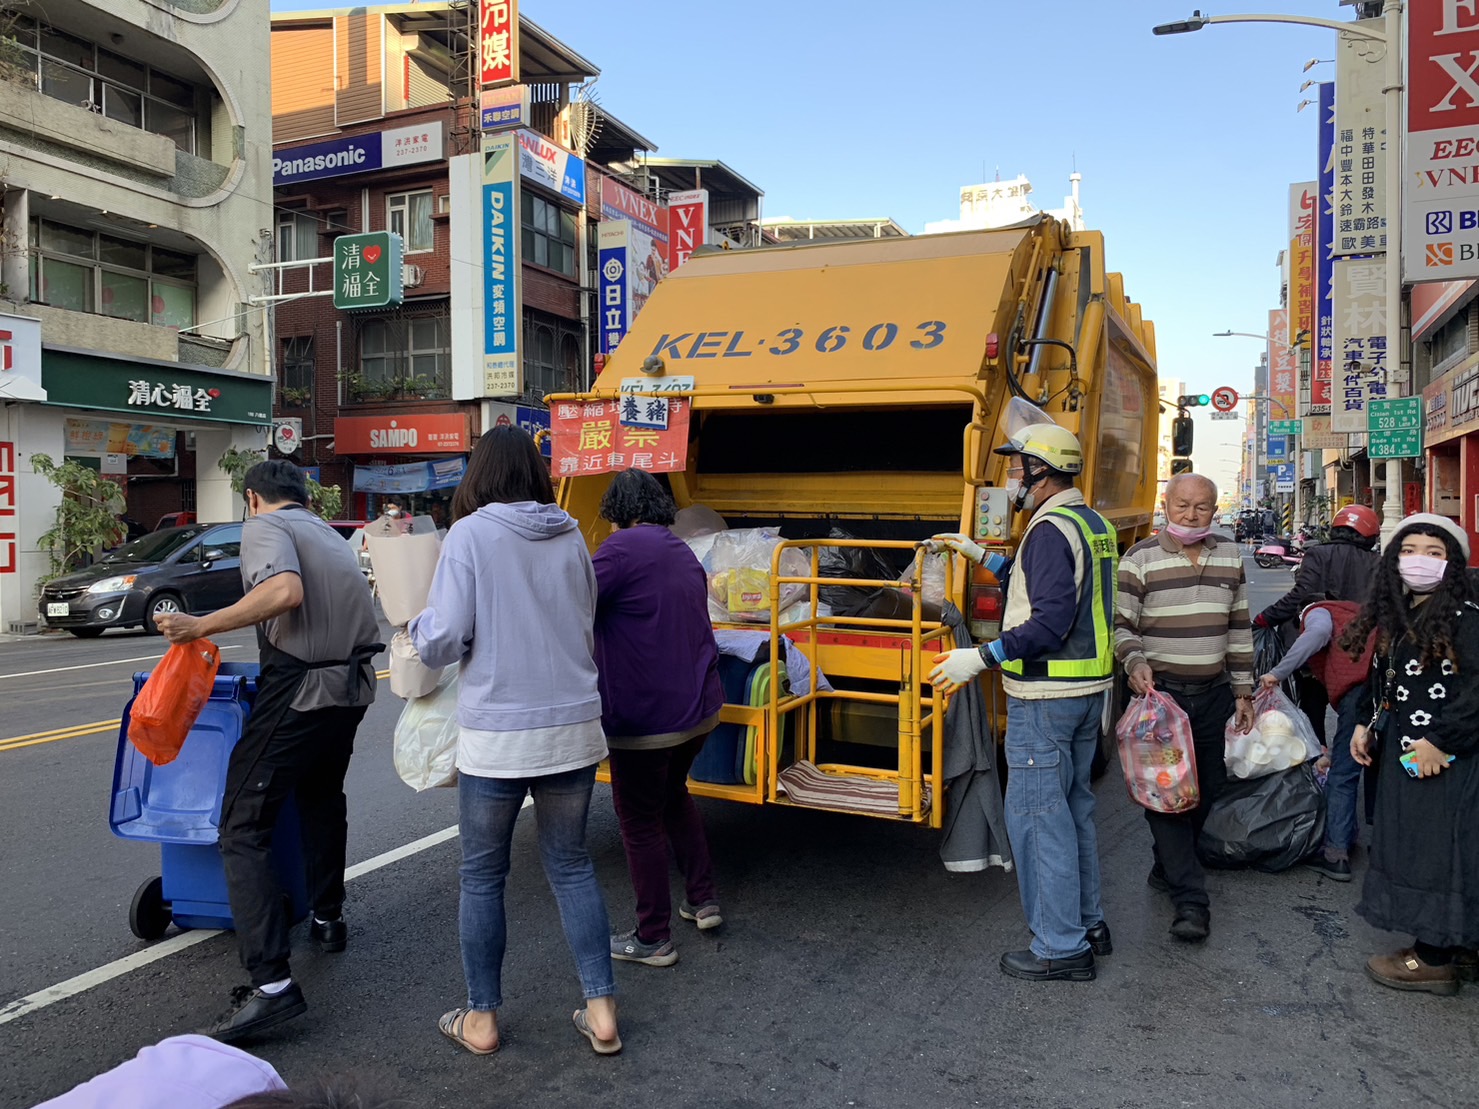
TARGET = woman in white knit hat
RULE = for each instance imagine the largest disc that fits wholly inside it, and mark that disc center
(1423, 879)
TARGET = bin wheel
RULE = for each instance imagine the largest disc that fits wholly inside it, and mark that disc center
(149, 915)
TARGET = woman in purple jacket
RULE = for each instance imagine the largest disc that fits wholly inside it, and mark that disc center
(660, 698)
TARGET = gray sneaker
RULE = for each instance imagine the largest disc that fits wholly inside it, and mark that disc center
(706, 916)
(629, 949)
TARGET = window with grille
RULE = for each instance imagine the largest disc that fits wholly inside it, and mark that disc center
(409, 216)
(404, 359)
(549, 235)
(91, 271)
(296, 373)
(67, 67)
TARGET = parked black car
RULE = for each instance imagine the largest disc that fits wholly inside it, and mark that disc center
(194, 569)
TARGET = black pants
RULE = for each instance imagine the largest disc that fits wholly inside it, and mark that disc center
(304, 757)
(1313, 701)
(1175, 834)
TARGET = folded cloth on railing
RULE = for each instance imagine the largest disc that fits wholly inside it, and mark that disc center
(975, 822)
(805, 784)
(748, 645)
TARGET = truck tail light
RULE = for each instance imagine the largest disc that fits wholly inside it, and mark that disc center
(985, 605)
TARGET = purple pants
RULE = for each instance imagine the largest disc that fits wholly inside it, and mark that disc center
(650, 790)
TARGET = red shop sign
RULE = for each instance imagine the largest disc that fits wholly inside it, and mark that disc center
(7, 508)
(590, 439)
(433, 433)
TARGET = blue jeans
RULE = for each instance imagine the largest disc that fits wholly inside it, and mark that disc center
(487, 810)
(1050, 749)
(1345, 777)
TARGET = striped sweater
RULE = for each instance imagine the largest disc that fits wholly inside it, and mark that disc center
(1188, 621)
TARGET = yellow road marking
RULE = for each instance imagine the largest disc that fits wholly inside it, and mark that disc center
(76, 731)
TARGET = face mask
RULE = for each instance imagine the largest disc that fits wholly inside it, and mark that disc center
(1189, 535)
(1422, 573)
(1022, 500)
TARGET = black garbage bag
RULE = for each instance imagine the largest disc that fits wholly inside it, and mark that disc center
(1269, 823)
(863, 563)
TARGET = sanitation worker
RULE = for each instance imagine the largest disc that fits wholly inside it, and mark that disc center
(318, 635)
(1056, 655)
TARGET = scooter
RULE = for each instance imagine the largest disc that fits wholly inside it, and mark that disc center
(1279, 552)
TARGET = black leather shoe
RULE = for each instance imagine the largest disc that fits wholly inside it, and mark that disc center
(1099, 939)
(256, 1012)
(1193, 923)
(1156, 879)
(331, 935)
(1024, 964)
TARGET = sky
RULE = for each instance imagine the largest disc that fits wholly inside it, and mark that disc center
(860, 108)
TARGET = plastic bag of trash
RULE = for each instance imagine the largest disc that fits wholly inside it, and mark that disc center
(1281, 737)
(738, 567)
(1269, 823)
(425, 742)
(1156, 754)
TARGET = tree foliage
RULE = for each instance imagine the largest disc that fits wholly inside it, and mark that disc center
(326, 500)
(86, 518)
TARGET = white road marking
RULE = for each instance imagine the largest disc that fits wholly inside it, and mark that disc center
(23, 1006)
(90, 665)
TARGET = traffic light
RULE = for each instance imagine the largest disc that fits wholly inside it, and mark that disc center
(1180, 466)
(1193, 400)
(1181, 436)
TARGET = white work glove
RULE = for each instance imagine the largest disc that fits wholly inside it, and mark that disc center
(960, 544)
(954, 669)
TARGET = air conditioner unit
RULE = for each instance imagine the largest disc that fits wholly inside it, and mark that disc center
(412, 276)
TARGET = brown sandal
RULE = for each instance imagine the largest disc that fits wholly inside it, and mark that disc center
(451, 1024)
(600, 1047)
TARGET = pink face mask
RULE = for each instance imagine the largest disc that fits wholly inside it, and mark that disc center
(1188, 535)
(1422, 573)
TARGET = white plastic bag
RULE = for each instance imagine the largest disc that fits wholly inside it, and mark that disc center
(409, 676)
(1281, 738)
(404, 565)
(738, 566)
(932, 585)
(425, 743)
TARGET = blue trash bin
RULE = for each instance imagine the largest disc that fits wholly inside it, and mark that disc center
(178, 806)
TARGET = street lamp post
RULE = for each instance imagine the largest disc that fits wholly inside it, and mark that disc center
(1391, 37)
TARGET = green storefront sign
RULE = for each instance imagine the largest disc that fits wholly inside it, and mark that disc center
(367, 270)
(154, 389)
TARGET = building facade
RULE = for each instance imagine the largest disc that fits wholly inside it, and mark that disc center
(378, 126)
(136, 202)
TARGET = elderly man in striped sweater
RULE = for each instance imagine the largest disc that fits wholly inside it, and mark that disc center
(1182, 626)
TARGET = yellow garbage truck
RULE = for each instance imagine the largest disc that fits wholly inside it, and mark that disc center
(833, 404)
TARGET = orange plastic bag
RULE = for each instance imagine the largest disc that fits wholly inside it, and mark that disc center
(170, 702)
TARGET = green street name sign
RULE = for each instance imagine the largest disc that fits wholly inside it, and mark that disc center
(367, 270)
(1286, 427)
(1395, 428)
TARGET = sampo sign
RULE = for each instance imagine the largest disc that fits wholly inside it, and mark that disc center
(438, 433)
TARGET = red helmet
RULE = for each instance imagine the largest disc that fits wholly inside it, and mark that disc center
(1359, 518)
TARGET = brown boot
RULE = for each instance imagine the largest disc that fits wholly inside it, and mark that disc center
(1405, 971)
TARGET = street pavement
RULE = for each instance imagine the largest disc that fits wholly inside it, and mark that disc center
(852, 970)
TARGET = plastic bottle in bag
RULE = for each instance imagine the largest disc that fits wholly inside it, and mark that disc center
(1156, 754)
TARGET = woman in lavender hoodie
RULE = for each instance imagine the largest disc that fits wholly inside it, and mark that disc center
(513, 602)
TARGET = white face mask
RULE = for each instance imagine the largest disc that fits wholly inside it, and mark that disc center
(1023, 502)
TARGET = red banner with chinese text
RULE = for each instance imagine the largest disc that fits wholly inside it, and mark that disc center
(590, 439)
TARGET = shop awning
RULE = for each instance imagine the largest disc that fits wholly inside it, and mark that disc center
(148, 387)
(410, 477)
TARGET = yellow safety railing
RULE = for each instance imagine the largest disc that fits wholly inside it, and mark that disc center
(920, 710)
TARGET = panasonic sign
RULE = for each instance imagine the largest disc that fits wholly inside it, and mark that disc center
(403, 146)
